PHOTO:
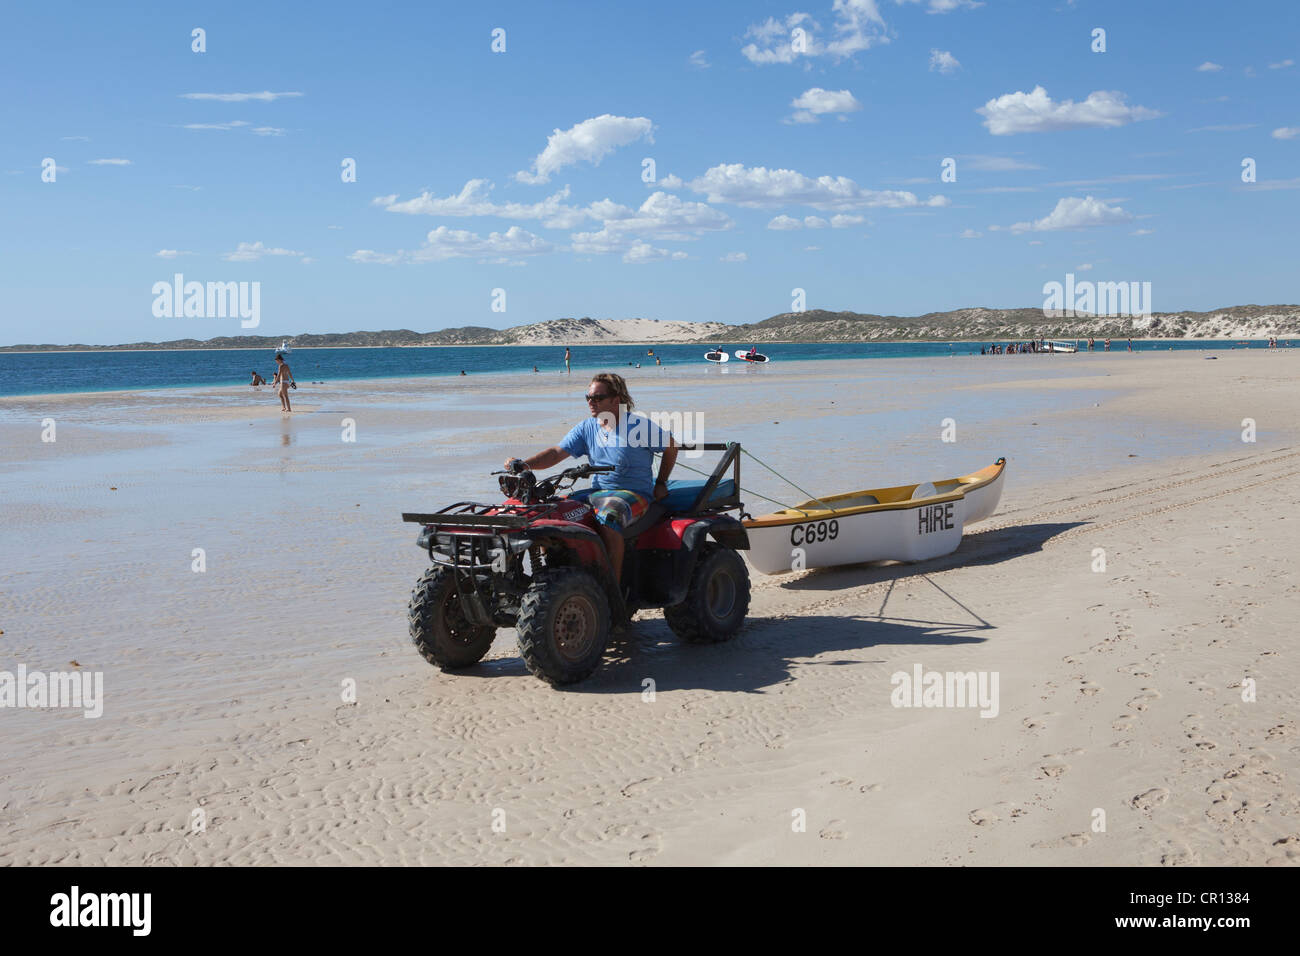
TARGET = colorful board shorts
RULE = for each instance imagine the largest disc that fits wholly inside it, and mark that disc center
(617, 509)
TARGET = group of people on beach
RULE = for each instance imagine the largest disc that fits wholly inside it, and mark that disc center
(281, 382)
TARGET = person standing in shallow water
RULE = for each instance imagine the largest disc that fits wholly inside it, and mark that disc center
(281, 381)
(566, 360)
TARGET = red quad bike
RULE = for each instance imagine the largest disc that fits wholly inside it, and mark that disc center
(536, 563)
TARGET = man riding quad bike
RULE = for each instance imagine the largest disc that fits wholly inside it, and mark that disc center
(564, 570)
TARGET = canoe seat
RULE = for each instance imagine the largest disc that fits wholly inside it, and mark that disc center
(926, 490)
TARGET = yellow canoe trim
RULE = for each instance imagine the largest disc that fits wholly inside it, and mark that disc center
(890, 499)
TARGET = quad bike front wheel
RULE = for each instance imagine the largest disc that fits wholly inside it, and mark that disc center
(717, 600)
(563, 625)
(439, 628)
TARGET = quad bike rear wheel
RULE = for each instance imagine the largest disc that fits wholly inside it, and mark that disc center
(717, 600)
(563, 625)
(439, 628)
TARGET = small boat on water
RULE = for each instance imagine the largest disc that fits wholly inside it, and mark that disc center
(716, 355)
(907, 523)
(1050, 346)
(758, 357)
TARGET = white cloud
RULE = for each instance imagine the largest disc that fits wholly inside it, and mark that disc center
(252, 251)
(943, 62)
(1142, 232)
(1223, 128)
(1208, 67)
(1074, 213)
(600, 243)
(970, 234)
(818, 102)
(759, 186)
(699, 61)
(666, 182)
(333, 227)
(1265, 185)
(473, 200)
(947, 6)
(1286, 132)
(1035, 112)
(1085, 267)
(589, 141)
(109, 162)
(669, 217)
(443, 243)
(812, 248)
(640, 252)
(1282, 65)
(267, 131)
(995, 164)
(858, 26)
(842, 221)
(233, 124)
(266, 96)
(172, 253)
(814, 222)
(734, 257)
(783, 223)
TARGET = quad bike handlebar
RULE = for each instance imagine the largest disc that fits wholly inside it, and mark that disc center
(522, 485)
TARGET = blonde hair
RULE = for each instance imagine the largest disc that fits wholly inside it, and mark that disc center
(617, 385)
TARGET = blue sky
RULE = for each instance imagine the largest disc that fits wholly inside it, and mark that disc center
(522, 170)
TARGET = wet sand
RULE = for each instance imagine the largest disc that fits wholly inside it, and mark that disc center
(1121, 690)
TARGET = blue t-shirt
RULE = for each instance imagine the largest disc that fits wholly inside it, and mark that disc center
(629, 446)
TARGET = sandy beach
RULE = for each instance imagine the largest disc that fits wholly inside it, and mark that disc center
(1147, 707)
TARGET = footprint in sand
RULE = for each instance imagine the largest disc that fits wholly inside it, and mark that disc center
(1123, 722)
(1038, 723)
(1144, 699)
(987, 816)
(1051, 770)
(871, 788)
(637, 787)
(1178, 854)
(652, 848)
(1088, 689)
(1148, 799)
(832, 832)
(1070, 839)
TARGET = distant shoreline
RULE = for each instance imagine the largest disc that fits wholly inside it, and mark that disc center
(9, 350)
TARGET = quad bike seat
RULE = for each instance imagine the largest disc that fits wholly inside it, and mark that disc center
(682, 494)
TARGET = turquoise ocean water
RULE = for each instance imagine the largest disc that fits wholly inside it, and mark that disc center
(36, 373)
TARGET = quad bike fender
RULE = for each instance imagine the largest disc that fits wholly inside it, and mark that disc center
(727, 531)
(689, 533)
(583, 541)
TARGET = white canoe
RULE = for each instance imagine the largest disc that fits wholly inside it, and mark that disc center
(716, 356)
(908, 523)
(758, 357)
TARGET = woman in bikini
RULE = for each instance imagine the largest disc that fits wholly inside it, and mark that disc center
(281, 381)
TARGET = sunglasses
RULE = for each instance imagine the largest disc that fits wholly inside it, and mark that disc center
(598, 398)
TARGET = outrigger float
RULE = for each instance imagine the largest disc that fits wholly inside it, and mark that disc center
(907, 523)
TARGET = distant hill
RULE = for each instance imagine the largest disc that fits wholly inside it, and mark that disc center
(816, 325)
